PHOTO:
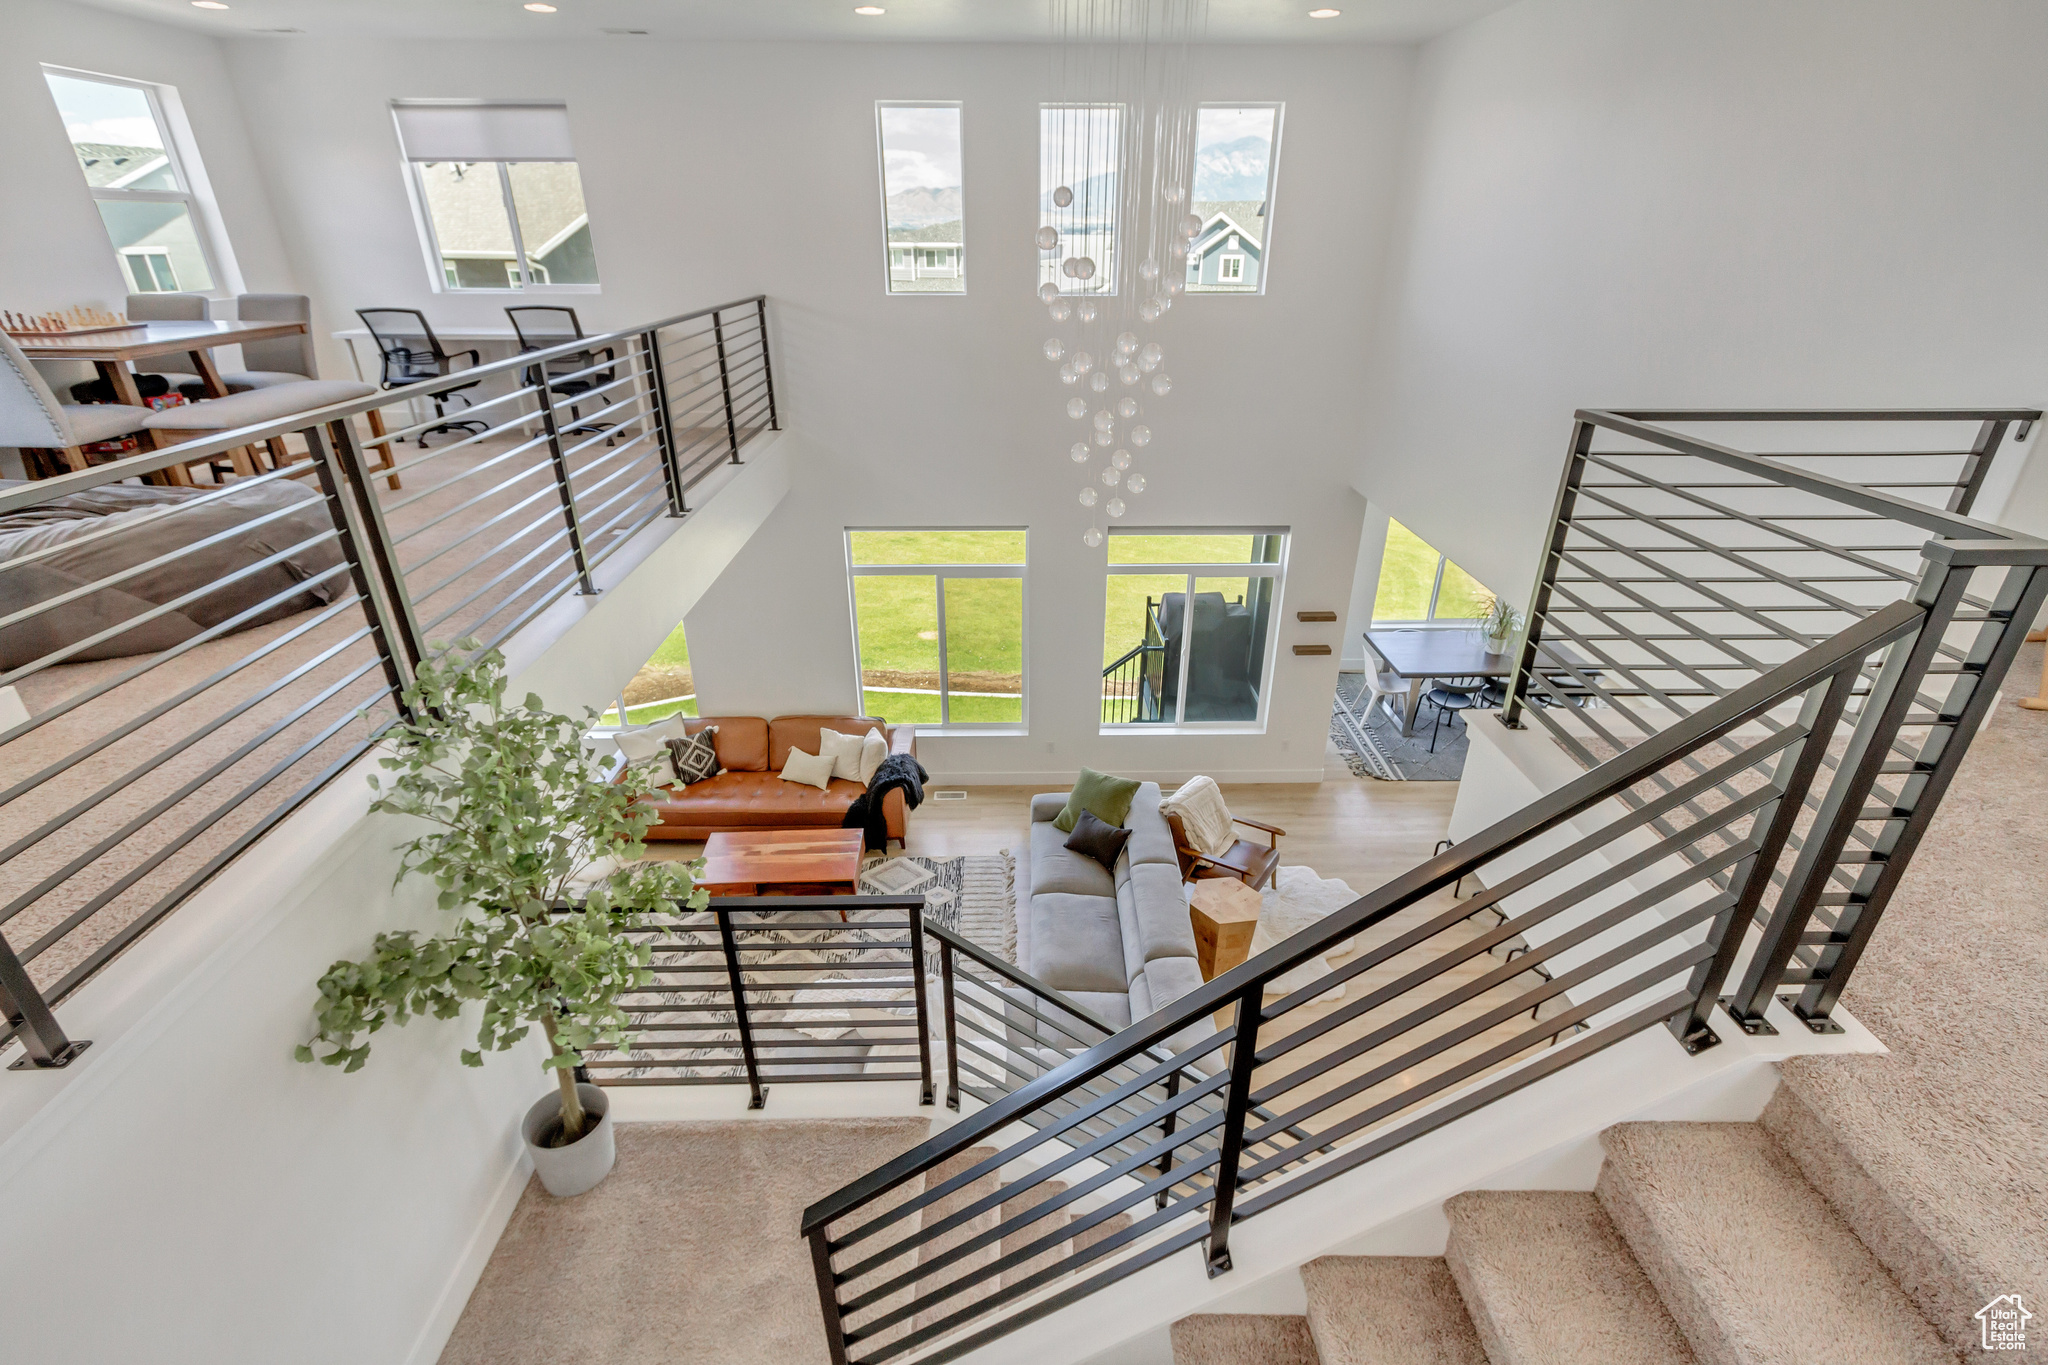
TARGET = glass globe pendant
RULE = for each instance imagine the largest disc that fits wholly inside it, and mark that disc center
(1084, 268)
(1126, 342)
(1083, 362)
(1148, 359)
(1087, 497)
(1111, 476)
(1105, 420)
(1087, 310)
(1061, 310)
(1135, 484)
(1048, 291)
(1115, 507)
(1121, 460)
(1070, 268)
(1092, 537)
(1099, 382)
(1130, 374)
(1148, 270)
(1127, 406)
(1190, 225)
(1063, 196)
(1078, 452)
(1048, 237)
(1139, 436)
(1055, 348)
(1077, 408)
(1105, 438)
(1161, 384)
(1148, 311)
(1067, 375)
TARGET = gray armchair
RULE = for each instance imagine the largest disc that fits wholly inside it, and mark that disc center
(49, 433)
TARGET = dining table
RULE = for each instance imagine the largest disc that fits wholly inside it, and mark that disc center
(112, 351)
(1420, 654)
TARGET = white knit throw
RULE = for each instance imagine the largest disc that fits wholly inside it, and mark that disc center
(1199, 804)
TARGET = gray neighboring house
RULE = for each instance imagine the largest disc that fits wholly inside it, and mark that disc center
(1226, 255)
(933, 251)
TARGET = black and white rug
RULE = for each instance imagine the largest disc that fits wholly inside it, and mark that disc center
(1373, 746)
(973, 896)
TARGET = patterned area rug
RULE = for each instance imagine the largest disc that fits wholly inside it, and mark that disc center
(1372, 744)
(975, 897)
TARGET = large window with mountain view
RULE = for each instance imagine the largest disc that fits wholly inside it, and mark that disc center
(1079, 154)
(1187, 634)
(938, 624)
(1236, 161)
(923, 214)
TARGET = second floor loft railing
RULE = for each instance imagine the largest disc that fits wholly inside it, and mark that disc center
(1692, 859)
(196, 663)
(1678, 568)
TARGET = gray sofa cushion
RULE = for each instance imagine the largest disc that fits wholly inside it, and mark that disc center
(1059, 870)
(1077, 944)
(1151, 837)
(1153, 913)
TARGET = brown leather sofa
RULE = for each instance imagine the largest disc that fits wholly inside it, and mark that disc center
(750, 794)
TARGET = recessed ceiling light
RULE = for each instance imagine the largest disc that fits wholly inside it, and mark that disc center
(869, 9)
(1324, 13)
(541, 9)
(207, 4)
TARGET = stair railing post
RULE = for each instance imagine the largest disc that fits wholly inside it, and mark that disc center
(1237, 1105)
(1166, 1128)
(732, 431)
(1539, 601)
(23, 1008)
(924, 1026)
(367, 545)
(759, 1096)
(767, 369)
(952, 1027)
(562, 484)
(664, 432)
(828, 1295)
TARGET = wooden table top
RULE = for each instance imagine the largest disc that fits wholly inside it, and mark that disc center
(146, 339)
(1226, 900)
(782, 855)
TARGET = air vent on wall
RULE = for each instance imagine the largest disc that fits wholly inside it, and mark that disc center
(950, 795)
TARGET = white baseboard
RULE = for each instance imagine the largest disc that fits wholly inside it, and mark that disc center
(469, 1268)
(1059, 779)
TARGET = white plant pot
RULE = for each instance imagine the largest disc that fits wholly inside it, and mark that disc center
(568, 1171)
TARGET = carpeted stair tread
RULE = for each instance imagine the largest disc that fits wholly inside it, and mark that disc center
(1548, 1281)
(1388, 1310)
(945, 1207)
(1037, 1228)
(1753, 1265)
(1242, 1339)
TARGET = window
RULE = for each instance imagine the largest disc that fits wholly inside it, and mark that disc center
(922, 202)
(1418, 585)
(1079, 151)
(120, 136)
(1236, 160)
(938, 625)
(500, 197)
(663, 687)
(1167, 662)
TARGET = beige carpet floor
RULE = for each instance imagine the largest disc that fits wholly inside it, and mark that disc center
(688, 1254)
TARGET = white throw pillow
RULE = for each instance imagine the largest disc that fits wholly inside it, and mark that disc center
(873, 750)
(1297, 900)
(844, 751)
(642, 743)
(812, 769)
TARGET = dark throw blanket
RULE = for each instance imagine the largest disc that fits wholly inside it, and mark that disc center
(897, 771)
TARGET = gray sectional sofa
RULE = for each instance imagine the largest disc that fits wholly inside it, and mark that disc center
(1120, 945)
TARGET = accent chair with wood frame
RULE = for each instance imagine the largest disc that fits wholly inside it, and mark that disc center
(1252, 864)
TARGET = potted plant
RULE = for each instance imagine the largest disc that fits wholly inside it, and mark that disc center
(521, 818)
(1499, 625)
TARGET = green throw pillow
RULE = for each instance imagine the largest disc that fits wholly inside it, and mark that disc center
(1107, 798)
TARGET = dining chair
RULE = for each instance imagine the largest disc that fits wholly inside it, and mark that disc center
(1450, 696)
(1383, 683)
(48, 433)
(412, 353)
(173, 371)
(541, 326)
(280, 360)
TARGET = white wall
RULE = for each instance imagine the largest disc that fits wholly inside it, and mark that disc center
(715, 171)
(1652, 202)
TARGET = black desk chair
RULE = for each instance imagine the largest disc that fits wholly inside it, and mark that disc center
(412, 353)
(542, 326)
(1450, 696)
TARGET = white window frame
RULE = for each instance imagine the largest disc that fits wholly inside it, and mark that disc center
(882, 189)
(437, 268)
(939, 573)
(1224, 271)
(1279, 108)
(193, 191)
(1191, 572)
(1104, 283)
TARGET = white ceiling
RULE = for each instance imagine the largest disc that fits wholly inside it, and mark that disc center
(1266, 21)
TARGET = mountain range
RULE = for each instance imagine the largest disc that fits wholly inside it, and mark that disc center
(923, 207)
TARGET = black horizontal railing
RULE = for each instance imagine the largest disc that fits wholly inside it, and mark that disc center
(799, 989)
(1678, 568)
(1698, 852)
(200, 664)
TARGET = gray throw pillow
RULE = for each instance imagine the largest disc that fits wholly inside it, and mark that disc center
(695, 757)
(1098, 839)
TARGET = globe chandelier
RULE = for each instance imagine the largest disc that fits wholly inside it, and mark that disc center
(1117, 145)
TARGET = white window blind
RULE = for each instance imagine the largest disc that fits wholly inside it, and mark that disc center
(443, 130)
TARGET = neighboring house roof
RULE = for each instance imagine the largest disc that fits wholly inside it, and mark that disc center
(936, 234)
(547, 248)
(1218, 229)
(1248, 214)
(111, 164)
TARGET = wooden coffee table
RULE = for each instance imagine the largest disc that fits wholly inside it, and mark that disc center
(783, 862)
(1225, 914)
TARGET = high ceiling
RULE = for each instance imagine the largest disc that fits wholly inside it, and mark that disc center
(1266, 21)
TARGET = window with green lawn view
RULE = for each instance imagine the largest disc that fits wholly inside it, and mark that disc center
(1186, 625)
(938, 625)
(663, 687)
(1417, 584)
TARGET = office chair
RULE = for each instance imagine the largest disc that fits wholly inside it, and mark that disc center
(541, 326)
(413, 353)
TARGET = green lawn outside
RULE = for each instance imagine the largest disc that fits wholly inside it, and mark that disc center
(922, 708)
(898, 618)
(1408, 571)
(674, 651)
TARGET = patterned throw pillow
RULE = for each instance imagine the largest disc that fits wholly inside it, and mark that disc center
(696, 757)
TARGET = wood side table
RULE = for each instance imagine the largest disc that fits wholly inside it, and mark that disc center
(1225, 914)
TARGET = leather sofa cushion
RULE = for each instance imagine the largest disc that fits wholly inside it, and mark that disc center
(742, 742)
(1078, 944)
(801, 732)
(746, 799)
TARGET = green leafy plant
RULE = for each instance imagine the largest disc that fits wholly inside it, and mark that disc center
(520, 815)
(1500, 621)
